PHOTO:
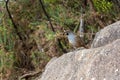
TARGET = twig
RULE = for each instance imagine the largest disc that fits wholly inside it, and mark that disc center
(47, 15)
(14, 25)
(30, 74)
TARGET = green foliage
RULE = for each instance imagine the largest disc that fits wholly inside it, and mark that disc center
(6, 60)
(48, 33)
(92, 28)
(74, 5)
(50, 1)
(28, 14)
(6, 38)
(103, 6)
(59, 16)
(39, 57)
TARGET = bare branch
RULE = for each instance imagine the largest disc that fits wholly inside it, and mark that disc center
(10, 16)
(47, 15)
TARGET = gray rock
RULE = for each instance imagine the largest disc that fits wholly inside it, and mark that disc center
(107, 35)
(99, 63)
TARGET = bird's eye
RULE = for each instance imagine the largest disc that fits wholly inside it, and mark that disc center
(66, 33)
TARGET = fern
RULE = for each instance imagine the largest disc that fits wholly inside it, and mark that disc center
(103, 6)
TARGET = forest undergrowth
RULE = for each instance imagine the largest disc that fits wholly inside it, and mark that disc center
(32, 31)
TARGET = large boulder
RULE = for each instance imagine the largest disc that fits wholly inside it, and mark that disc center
(101, 63)
(107, 35)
